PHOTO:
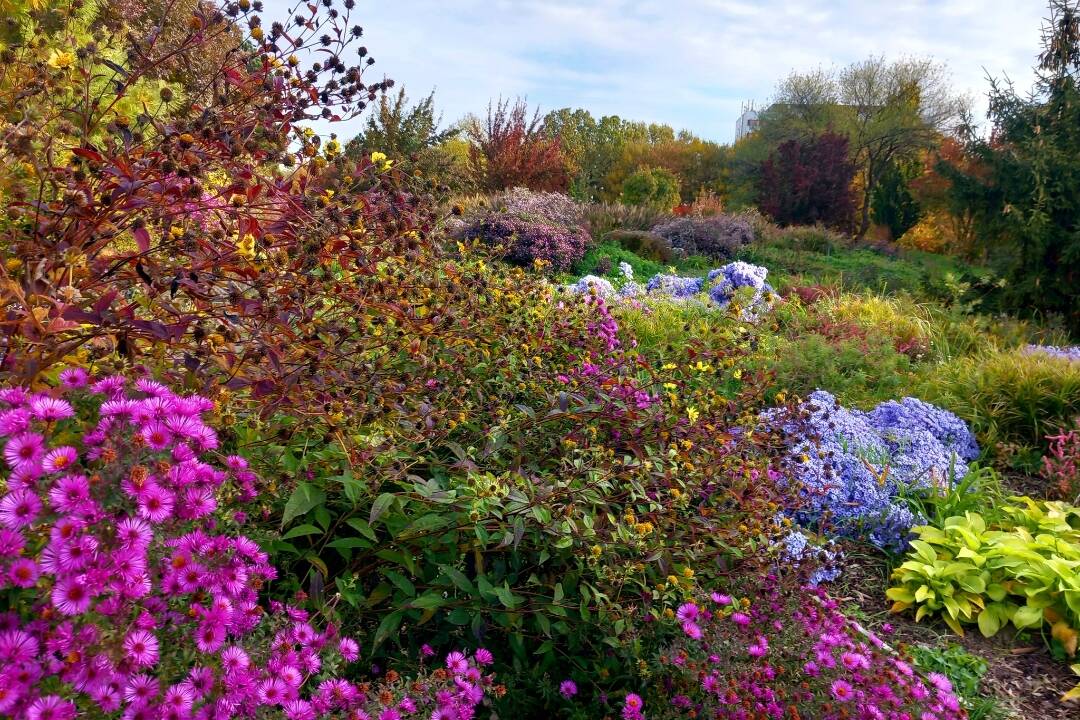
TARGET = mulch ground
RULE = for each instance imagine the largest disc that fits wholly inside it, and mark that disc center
(1022, 676)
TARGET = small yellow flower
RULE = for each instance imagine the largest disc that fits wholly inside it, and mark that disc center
(692, 414)
(674, 580)
(737, 374)
(669, 613)
(380, 159)
(670, 386)
(688, 573)
(668, 366)
(61, 59)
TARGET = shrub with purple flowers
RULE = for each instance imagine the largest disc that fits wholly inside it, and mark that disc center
(718, 237)
(851, 466)
(124, 594)
(732, 278)
(551, 208)
(785, 653)
(525, 240)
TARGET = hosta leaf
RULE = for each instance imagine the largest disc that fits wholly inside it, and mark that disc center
(989, 623)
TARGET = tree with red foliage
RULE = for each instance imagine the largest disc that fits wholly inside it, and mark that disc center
(510, 150)
(804, 182)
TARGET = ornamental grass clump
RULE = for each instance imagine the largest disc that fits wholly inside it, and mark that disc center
(129, 589)
(852, 468)
(785, 653)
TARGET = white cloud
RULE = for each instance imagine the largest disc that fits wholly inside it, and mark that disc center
(689, 63)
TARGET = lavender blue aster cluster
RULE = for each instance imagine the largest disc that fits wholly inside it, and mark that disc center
(797, 549)
(727, 280)
(852, 466)
(722, 284)
(1071, 352)
(913, 415)
(590, 283)
(674, 286)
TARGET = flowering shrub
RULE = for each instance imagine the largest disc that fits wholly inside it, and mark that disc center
(551, 208)
(852, 466)
(1061, 464)
(715, 236)
(785, 654)
(526, 241)
(674, 286)
(737, 275)
(123, 596)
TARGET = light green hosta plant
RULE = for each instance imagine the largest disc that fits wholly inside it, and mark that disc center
(1023, 570)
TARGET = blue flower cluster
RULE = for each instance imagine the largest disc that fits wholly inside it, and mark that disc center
(593, 283)
(851, 466)
(797, 549)
(1071, 352)
(721, 285)
(674, 286)
(734, 276)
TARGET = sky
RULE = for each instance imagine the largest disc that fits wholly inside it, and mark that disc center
(688, 63)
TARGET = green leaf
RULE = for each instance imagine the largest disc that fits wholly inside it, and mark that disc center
(403, 583)
(558, 592)
(361, 527)
(1027, 616)
(428, 601)
(300, 531)
(387, 627)
(507, 598)
(303, 499)
(380, 506)
(458, 578)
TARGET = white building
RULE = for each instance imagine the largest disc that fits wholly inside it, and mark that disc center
(747, 122)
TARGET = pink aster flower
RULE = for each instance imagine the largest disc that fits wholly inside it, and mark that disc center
(19, 509)
(740, 619)
(51, 707)
(568, 689)
(483, 656)
(50, 409)
(842, 690)
(142, 648)
(74, 378)
(687, 612)
(23, 573)
(70, 493)
(71, 596)
(59, 459)
(456, 663)
(14, 421)
(156, 436)
(692, 630)
(140, 690)
(24, 449)
(349, 649)
(940, 681)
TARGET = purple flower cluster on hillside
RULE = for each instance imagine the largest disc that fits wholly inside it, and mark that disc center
(526, 240)
(852, 466)
(1070, 352)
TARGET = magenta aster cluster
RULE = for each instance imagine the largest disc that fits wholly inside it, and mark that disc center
(788, 654)
(125, 601)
